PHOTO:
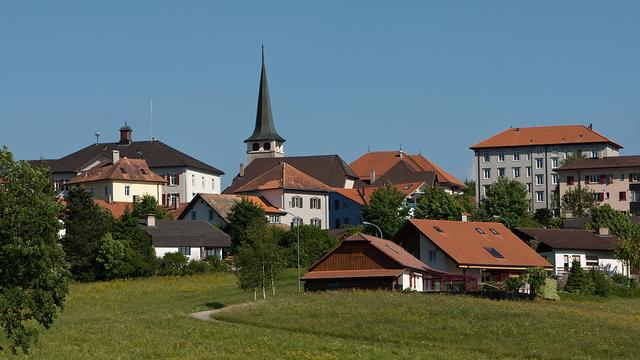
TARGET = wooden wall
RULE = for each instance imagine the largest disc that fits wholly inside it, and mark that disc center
(356, 256)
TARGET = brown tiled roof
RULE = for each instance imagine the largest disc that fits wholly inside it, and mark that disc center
(630, 161)
(569, 238)
(124, 169)
(178, 211)
(329, 169)
(392, 250)
(384, 161)
(352, 194)
(223, 203)
(544, 135)
(352, 274)
(283, 176)
(116, 208)
(402, 173)
(467, 247)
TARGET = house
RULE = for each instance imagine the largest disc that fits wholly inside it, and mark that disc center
(614, 179)
(195, 239)
(184, 175)
(122, 180)
(487, 250)
(216, 208)
(594, 249)
(396, 167)
(305, 200)
(532, 155)
(367, 262)
(345, 208)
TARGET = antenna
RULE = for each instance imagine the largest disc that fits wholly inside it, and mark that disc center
(97, 134)
(151, 117)
(368, 148)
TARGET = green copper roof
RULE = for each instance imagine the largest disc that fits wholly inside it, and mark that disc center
(265, 129)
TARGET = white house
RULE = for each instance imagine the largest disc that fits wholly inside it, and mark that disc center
(216, 208)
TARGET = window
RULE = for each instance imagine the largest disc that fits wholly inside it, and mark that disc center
(193, 215)
(486, 188)
(486, 173)
(622, 196)
(213, 184)
(621, 177)
(336, 204)
(500, 157)
(594, 153)
(336, 223)
(266, 146)
(516, 156)
(438, 229)
(570, 180)
(316, 222)
(554, 162)
(193, 180)
(539, 163)
(486, 157)
(516, 172)
(591, 179)
(210, 252)
(528, 156)
(479, 231)
(174, 199)
(432, 256)
(539, 196)
(184, 250)
(528, 171)
(297, 221)
(566, 262)
(296, 202)
(501, 172)
(529, 188)
(494, 231)
(494, 252)
(143, 171)
(315, 203)
(539, 179)
(255, 147)
(607, 196)
(106, 191)
(274, 219)
(540, 150)
(173, 179)
(345, 205)
(554, 179)
(123, 170)
(599, 196)
(346, 221)
(592, 261)
(635, 196)
(127, 190)
(634, 177)
(211, 214)
(203, 182)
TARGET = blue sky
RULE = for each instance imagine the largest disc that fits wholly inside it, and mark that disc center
(432, 76)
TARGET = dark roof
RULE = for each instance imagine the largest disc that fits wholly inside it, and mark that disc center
(156, 153)
(265, 129)
(569, 238)
(575, 223)
(400, 173)
(174, 233)
(631, 161)
(329, 169)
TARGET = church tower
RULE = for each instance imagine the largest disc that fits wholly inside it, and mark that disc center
(265, 140)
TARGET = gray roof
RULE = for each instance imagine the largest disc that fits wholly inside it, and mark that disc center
(174, 233)
(569, 238)
(630, 161)
(265, 129)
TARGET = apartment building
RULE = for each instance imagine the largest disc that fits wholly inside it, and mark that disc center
(615, 180)
(532, 156)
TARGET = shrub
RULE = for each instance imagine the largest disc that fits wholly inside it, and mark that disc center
(513, 284)
(172, 264)
(620, 279)
(196, 267)
(579, 281)
(601, 283)
(112, 258)
(536, 277)
(217, 264)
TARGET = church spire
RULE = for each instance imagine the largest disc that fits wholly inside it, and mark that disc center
(265, 129)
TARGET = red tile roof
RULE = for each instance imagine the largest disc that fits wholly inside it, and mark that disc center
(467, 247)
(284, 176)
(124, 169)
(352, 194)
(544, 135)
(116, 208)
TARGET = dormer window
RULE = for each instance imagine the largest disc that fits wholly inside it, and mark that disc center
(143, 171)
(123, 170)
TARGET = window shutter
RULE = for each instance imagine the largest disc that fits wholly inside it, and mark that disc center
(177, 179)
(164, 199)
(600, 196)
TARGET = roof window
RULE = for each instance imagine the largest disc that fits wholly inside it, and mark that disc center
(124, 171)
(479, 231)
(438, 229)
(143, 171)
(494, 231)
(494, 252)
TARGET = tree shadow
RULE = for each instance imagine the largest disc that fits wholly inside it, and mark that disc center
(214, 305)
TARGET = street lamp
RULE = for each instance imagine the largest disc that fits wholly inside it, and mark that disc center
(298, 239)
(372, 224)
(503, 219)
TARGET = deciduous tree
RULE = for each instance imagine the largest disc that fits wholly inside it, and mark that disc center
(436, 204)
(386, 209)
(149, 205)
(506, 199)
(579, 201)
(243, 214)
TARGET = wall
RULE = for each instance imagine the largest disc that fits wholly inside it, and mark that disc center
(197, 253)
(606, 260)
(185, 187)
(347, 209)
(306, 213)
(137, 189)
(201, 210)
(416, 284)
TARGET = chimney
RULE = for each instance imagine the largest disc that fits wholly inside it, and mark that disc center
(151, 220)
(372, 176)
(603, 231)
(115, 156)
(241, 170)
(125, 134)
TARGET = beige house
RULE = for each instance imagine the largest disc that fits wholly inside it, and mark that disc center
(615, 180)
(122, 180)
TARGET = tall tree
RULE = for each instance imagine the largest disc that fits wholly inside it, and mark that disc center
(259, 259)
(436, 204)
(243, 214)
(467, 199)
(387, 209)
(616, 221)
(506, 199)
(579, 201)
(149, 205)
(85, 224)
(140, 254)
(34, 275)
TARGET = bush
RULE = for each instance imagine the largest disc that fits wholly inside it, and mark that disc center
(173, 264)
(579, 281)
(513, 284)
(196, 267)
(217, 264)
(620, 279)
(113, 258)
(536, 277)
(601, 283)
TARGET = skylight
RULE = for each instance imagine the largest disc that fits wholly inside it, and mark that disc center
(494, 231)
(479, 231)
(494, 252)
(143, 171)
(438, 229)
(124, 171)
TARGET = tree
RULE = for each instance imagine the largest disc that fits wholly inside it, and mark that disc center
(113, 258)
(579, 201)
(242, 215)
(173, 264)
(577, 155)
(616, 221)
(386, 209)
(506, 199)
(259, 259)
(579, 281)
(467, 199)
(140, 253)
(546, 219)
(314, 244)
(34, 275)
(436, 204)
(149, 205)
(85, 224)
(536, 276)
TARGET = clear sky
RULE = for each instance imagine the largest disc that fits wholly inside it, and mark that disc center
(435, 76)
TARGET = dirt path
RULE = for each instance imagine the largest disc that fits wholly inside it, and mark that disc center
(207, 315)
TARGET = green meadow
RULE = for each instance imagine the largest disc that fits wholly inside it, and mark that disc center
(148, 319)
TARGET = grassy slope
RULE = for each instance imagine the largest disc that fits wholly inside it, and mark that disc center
(147, 319)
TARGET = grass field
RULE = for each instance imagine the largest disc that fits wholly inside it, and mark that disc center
(147, 319)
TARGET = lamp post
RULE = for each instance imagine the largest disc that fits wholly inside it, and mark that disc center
(298, 240)
(503, 219)
(374, 225)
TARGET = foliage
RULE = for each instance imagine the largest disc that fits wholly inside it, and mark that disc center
(506, 199)
(513, 283)
(549, 290)
(216, 264)
(242, 215)
(579, 281)
(85, 223)
(546, 219)
(579, 201)
(436, 204)
(602, 284)
(616, 221)
(386, 209)
(140, 253)
(34, 275)
(196, 267)
(536, 277)
(173, 264)
(467, 200)
(149, 205)
(577, 155)
(112, 258)
(314, 244)
(259, 259)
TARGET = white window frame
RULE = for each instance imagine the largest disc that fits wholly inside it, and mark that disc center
(554, 179)
(486, 173)
(528, 171)
(516, 155)
(127, 190)
(529, 187)
(539, 196)
(539, 163)
(539, 179)
(502, 172)
(184, 250)
(486, 157)
(516, 172)
(594, 153)
(173, 179)
(501, 156)
(315, 203)
(554, 162)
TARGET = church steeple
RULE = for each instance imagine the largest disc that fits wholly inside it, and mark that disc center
(265, 140)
